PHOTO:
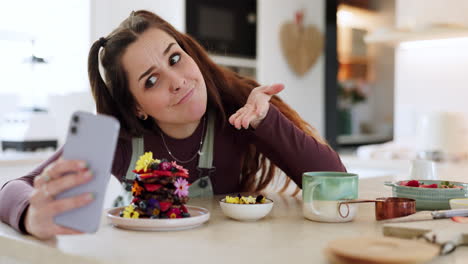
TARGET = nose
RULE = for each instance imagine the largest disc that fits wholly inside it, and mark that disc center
(177, 82)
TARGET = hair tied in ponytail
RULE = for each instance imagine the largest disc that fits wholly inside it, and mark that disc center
(102, 42)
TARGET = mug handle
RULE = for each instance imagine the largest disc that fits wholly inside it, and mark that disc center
(311, 186)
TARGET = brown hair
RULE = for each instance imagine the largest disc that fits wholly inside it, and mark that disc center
(226, 90)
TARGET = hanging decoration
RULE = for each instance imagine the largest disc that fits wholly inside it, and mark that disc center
(301, 44)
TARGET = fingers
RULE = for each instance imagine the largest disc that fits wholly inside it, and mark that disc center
(243, 117)
(61, 230)
(271, 89)
(242, 120)
(39, 220)
(47, 191)
(68, 181)
(57, 170)
(256, 107)
(66, 204)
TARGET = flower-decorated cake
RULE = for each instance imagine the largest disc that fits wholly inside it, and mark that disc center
(160, 189)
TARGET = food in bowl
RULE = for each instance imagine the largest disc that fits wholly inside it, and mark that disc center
(430, 198)
(443, 184)
(245, 199)
(246, 208)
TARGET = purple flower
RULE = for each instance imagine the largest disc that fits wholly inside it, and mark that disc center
(153, 203)
(182, 187)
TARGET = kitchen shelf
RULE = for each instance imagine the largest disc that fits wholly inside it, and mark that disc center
(234, 61)
(395, 36)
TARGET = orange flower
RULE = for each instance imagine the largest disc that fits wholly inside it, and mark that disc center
(136, 189)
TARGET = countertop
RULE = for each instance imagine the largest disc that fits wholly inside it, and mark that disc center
(284, 236)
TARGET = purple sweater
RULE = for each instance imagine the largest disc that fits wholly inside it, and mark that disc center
(276, 137)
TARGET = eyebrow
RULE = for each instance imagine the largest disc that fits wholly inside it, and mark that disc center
(152, 67)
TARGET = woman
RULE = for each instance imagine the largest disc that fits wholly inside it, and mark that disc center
(171, 99)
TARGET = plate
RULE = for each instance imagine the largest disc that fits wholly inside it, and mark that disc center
(198, 216)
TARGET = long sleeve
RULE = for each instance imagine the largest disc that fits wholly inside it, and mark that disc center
(292, 150)
(14, 195)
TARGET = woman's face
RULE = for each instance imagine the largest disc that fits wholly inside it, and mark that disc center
(165, 81)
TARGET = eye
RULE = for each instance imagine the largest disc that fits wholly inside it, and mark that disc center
(151, 81)
(175, 58)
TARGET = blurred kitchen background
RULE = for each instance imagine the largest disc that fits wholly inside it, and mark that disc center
(382, 78)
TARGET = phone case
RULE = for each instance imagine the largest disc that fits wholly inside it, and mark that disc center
(92, 138)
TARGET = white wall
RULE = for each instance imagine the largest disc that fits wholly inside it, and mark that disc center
(429, 79)
(305, 94)
(429, 76)
(106, 15)
(415, 14)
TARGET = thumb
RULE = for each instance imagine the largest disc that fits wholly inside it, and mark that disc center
(274, 89)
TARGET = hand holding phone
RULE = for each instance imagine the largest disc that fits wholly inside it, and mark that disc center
(92, 139)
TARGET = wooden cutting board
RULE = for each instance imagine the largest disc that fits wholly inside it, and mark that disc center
(379, 250)
(441, 231)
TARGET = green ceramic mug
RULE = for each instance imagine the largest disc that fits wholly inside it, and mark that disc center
(322, 192)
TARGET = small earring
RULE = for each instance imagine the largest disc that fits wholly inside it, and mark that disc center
(143, 117)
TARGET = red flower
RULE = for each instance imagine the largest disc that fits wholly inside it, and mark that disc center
(174, 213)
(152, 187)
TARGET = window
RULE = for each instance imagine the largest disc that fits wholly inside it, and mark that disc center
(57, 32)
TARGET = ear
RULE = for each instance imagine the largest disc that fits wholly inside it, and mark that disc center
(139, 111)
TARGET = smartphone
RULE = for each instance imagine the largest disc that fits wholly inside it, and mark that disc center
(93, 139)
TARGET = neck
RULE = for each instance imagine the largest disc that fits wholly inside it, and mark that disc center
(179, 131)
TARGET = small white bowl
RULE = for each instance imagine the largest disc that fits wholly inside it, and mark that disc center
(459, 203)
(246, 212)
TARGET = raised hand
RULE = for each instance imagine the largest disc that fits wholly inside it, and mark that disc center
(256, 108)
(58, 177)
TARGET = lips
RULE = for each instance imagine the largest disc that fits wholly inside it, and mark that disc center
(186, 97)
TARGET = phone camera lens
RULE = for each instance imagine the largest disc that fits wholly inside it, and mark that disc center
(73, 129)
(76, 119)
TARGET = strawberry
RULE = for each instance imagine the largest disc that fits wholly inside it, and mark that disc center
(412, 183)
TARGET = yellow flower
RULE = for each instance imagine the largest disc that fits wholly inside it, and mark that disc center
(144, 161)
(135, 214)
(127, 213)
(156, 211)
(247, 200)
(233, 200)
(173, 215)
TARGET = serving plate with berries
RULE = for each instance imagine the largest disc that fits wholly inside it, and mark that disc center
(429, 194)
